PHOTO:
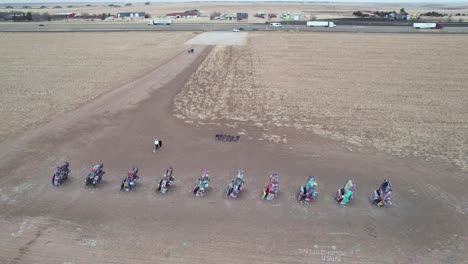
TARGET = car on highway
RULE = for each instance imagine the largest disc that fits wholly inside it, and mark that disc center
(235, 30)
(41, 25)
(276, 25)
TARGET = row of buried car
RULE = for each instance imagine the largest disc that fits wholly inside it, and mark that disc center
(306, 194)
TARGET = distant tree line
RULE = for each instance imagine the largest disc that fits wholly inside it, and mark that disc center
(18, 16)
(214, 14)
(434, 14)
(382, 14)
(401, 14)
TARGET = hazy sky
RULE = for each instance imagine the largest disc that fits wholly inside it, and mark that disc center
(142, 1)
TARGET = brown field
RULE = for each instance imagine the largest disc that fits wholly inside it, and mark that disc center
(403, 94)
(298, 101)
(47, 74)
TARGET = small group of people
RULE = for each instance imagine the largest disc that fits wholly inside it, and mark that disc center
(191, 51)
(224, 137)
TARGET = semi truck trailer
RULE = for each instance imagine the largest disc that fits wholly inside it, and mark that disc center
(427, 25)
(160, 22)
(320, 24)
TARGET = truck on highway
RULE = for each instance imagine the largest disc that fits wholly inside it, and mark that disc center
(320, 24)
(427, 25)
(160, 22)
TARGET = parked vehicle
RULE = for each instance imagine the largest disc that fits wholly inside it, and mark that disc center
(383, 195)
(235, 186)
(201, 184)
(160, 22)
(427, 25)
(346, 194)
(307, 191)
(321, 24)
(166, 181)
(61, 174)
(95, 176)
(129, 182)
(270, 191)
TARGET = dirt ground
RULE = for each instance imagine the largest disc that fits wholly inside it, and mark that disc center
(219, 38)
(72, 224)
(47, 74)
(403, 94)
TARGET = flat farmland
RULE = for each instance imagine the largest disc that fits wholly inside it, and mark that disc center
(283, 87)
(403, 94)
(47, 74)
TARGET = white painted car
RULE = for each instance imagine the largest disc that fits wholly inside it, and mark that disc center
(235, 30)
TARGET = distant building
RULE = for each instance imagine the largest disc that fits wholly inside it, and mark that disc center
(230, 16)
(131, 14)
(186, 14)
(235, 16)
(242, 16)
(295, 17)
(64, 15)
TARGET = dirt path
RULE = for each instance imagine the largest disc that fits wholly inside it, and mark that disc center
(71, 224)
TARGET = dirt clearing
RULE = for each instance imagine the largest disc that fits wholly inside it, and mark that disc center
(219, 38)
(403, 94)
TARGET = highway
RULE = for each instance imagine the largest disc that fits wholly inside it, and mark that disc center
(123, 27)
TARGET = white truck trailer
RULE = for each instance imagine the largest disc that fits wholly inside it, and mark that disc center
(320, 24)
(427, 25)
(160, 22)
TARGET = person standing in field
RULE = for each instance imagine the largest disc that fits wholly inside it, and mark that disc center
(157, 144)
